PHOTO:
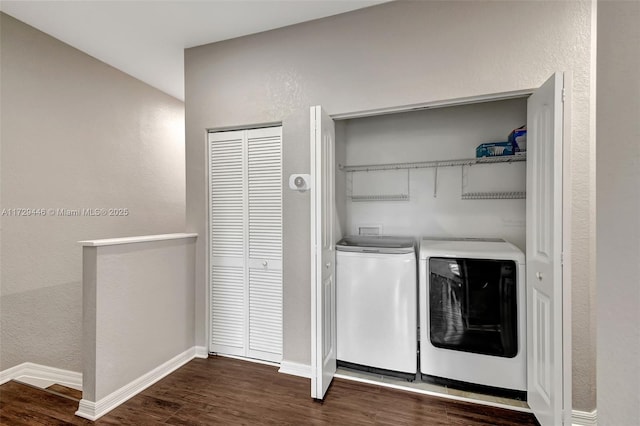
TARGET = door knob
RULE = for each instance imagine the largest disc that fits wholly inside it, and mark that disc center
(327, 265)
(265, 263)
(539, 276)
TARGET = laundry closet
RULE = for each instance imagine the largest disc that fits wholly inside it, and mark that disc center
(416, 174)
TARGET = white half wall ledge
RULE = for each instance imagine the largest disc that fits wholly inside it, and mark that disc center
(295, 369)
(139, 239)
(28, 372)
(94, 410)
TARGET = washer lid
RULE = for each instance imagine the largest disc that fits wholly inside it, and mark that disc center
(377, 244)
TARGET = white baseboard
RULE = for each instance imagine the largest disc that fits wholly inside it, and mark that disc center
(37, 373)
(295, 369)
(202, 352)
(584, 418)
(94, 410)
(11, 373)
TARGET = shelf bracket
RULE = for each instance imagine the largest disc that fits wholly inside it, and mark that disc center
(435, 182)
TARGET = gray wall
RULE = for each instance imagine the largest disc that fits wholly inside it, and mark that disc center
(76, 134)
(618, 209)
(139, 310)
(397, 53)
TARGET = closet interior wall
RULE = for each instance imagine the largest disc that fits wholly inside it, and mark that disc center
(434, 206)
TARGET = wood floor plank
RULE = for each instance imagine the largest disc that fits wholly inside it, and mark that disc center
(66, 391)
(228, 391)
(24, 404)
(460, 413)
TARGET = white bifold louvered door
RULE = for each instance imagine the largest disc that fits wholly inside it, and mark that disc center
(246, 242)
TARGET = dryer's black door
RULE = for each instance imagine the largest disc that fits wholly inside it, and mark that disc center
(473, 306)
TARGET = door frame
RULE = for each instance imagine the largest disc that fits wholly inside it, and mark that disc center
(567, 367)
(566, 208)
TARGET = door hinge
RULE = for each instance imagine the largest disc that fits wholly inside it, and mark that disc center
(564, 94)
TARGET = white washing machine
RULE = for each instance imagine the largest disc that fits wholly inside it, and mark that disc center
(376, 298)
(473, 312)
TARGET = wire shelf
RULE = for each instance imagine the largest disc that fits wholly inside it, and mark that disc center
(513, 195)
(438, 163)
(394, 197)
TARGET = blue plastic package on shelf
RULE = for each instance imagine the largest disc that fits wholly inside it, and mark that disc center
(495, 149)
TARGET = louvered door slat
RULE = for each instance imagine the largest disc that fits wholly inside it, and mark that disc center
(265, 311)
(226, 193)
(227, 242)
(265, 196)
(227, 307)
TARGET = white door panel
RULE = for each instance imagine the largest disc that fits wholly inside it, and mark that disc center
(264, 236)
(265, 314)
(246, 242)
(227, 310)
(323, 299)
(229, 261)
(265, 263)
(227, 241)
(544, 252)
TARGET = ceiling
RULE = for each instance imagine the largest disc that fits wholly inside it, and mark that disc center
(147, 38)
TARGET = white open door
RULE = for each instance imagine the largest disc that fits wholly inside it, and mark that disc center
(323, 286)
(544, 252)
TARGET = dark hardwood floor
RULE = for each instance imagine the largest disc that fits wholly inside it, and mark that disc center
(228, 391)
(65, 391)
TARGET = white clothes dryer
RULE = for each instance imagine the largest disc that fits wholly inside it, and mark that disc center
(472, 301)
